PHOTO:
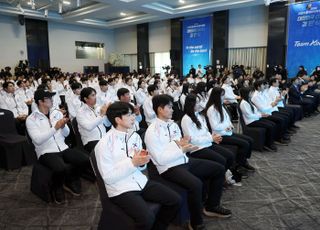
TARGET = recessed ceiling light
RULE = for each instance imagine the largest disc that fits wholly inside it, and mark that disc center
(66, 2)
(29, 3)
(182, 1)
(123, 14)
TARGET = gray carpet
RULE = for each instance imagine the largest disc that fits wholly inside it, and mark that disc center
(282, 194)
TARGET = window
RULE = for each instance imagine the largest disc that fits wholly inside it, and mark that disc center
(90, 50)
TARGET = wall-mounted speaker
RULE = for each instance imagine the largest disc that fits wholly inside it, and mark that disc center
(21, 19)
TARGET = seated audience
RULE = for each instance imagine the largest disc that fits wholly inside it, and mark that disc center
(168, 152)
(48, 130)
(120, 159)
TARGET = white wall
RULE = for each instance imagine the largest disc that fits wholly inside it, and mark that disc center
(160, 36)
(126, 40)
(13, 44)
(248, 27)
(62, 48)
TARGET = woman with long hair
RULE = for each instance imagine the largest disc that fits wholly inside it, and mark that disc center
(253, 118)
(221, 124)
(194, 125)
(201, 92)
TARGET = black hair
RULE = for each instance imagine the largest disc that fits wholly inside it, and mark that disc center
(215, 100)
(244, 93)
(42, 86)
(122, 92)
(127, 79)
(45, 81)
(201, 89)
(103, 82)
(140, 82)
(224, 78)
(273, 80)
(258, 84)
(185, 88)
(110, 80)
(85, 92)
(19, 82)
(151, 88)
(161, 101)
(118, 109)
(191, 101)
(6, 84)
(76, 85)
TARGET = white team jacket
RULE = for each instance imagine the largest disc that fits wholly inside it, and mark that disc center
(249, 116)
(114, 152)
(215, 122)
(199, 137)
(160, 140)
(45, 137)
(90, 124)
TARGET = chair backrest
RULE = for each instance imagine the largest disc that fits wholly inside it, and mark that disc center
(243, 124)
(75, 129)
(7, 122)
(101, 186)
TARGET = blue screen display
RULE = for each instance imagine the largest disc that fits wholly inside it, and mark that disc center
(303, 37)
(197, 40)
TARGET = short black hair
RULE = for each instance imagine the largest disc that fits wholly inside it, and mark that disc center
(85, 92)
(110, 80)
(273, 80)
(122, 92)
(161, 101)
(152, 88)
(76, 85)
(118, 109)
(258, 84)
(103, 82)
(6, 84)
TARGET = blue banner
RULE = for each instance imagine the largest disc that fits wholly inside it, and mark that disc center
(196, 45)
(303, 37)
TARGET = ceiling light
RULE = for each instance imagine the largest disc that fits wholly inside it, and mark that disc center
(182, 1)
(33, 4)
(60, 8)
(66, 2)
(78, 3)
(123, 14)
(29, 3)
(46, 12)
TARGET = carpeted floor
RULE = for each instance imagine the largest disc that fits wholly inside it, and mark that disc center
(282, 194)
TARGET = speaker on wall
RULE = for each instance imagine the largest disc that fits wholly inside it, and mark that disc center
(21, 19)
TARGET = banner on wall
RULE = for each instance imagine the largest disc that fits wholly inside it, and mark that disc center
(303, 37)
(196, 44)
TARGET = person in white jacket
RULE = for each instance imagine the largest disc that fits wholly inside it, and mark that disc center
(73, 102)
(230, 99)
(104, 95)
(148, 111)
(253, 118)
(48, 130)
(92, 120)
(194, 125)
(16, 104)
(221, 124)
(168, 153)
(120, 160)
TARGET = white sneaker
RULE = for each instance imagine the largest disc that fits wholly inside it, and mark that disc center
(230, 180)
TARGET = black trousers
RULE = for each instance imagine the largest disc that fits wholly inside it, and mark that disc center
(217, 154)
(281, 124)
(134, 205)
(66, 165)
(297, 110)
(244, 144)
(270, 128)
(191, 177)
(90, 146)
